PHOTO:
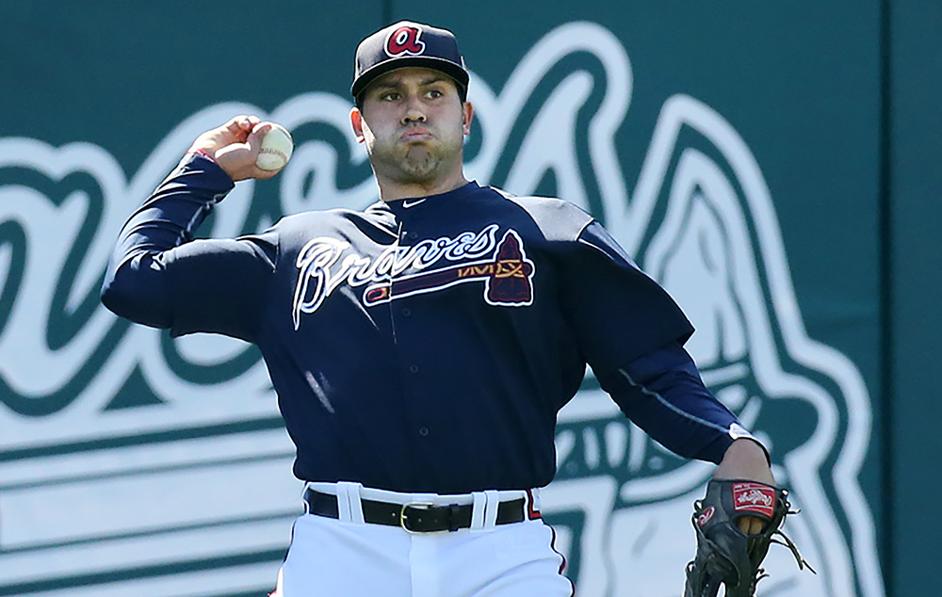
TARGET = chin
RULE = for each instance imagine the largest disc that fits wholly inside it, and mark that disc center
(422, 166)
(417, 176)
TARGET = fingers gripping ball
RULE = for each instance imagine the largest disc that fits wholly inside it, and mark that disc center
(275, 150)
(725, 554)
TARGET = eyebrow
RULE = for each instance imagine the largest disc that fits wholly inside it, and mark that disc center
(393, 83)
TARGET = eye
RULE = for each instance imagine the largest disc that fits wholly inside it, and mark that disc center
(389, 96)
(434, 93)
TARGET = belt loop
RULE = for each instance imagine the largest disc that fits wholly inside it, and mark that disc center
(536, 499)
(531, 508)
(477, 510)
(351, 493)
(343, 502)
(307, 507)
(490, 513)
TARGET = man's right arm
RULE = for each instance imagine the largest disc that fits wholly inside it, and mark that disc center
(159, 276)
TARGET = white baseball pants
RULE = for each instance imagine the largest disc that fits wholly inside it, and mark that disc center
(355, 559)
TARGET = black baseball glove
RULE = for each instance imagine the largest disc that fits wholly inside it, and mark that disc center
(725, 554)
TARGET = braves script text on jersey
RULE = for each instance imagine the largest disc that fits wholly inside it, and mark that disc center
(423, 344)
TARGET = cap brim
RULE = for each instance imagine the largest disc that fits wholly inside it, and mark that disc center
(440, 64)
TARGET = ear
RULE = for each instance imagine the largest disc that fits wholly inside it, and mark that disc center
(356, 123)
(468, 109)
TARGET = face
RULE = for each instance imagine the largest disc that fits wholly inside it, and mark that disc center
(413, 124)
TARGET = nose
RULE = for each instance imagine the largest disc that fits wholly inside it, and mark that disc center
(414, 111)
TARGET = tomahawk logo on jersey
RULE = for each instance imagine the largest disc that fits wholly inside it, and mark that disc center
(507, 278)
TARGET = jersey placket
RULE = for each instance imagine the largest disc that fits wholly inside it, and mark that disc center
(407, 337)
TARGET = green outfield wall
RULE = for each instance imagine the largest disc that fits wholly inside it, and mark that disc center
(774, 166)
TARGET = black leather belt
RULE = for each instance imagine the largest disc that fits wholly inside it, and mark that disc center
(414, 517)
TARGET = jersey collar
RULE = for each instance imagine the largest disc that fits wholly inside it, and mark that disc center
(412, 204)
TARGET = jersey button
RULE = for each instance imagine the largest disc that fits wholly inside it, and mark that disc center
(423, 431)
(406, 312)
(413, 235)
(413, 368)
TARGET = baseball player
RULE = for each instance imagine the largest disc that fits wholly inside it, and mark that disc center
(421, 348)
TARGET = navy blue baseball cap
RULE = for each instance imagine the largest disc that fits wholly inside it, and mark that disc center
(406, 44)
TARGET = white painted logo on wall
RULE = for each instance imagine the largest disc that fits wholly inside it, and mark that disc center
(699, 218)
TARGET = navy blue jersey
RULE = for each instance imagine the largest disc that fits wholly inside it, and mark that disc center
(423, 344)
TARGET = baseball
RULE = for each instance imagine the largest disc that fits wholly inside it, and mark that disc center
(276, 149)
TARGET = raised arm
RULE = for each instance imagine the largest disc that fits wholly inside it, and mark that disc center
(159, 276)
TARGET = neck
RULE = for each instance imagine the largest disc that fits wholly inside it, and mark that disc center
(391, 190)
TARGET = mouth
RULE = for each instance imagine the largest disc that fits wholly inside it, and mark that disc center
(416, 134)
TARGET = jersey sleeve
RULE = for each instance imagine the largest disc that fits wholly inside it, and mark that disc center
(631, 332)
(617, 312)
(161, 277)
(662, 392)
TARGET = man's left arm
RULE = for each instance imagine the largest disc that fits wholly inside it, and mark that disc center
(664, 394)
(632, 334)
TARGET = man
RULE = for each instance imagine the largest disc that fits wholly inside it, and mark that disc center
(422, 348)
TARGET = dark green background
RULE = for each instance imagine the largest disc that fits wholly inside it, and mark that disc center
(912, 148)
(838, 101)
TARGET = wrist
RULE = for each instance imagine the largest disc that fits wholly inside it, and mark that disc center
(751, 443)
(210, 174)
(745, 458)
(202, 152)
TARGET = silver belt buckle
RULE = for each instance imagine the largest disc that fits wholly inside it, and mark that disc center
(403, 517)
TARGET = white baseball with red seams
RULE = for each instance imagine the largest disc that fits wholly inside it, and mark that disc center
(276, 149)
